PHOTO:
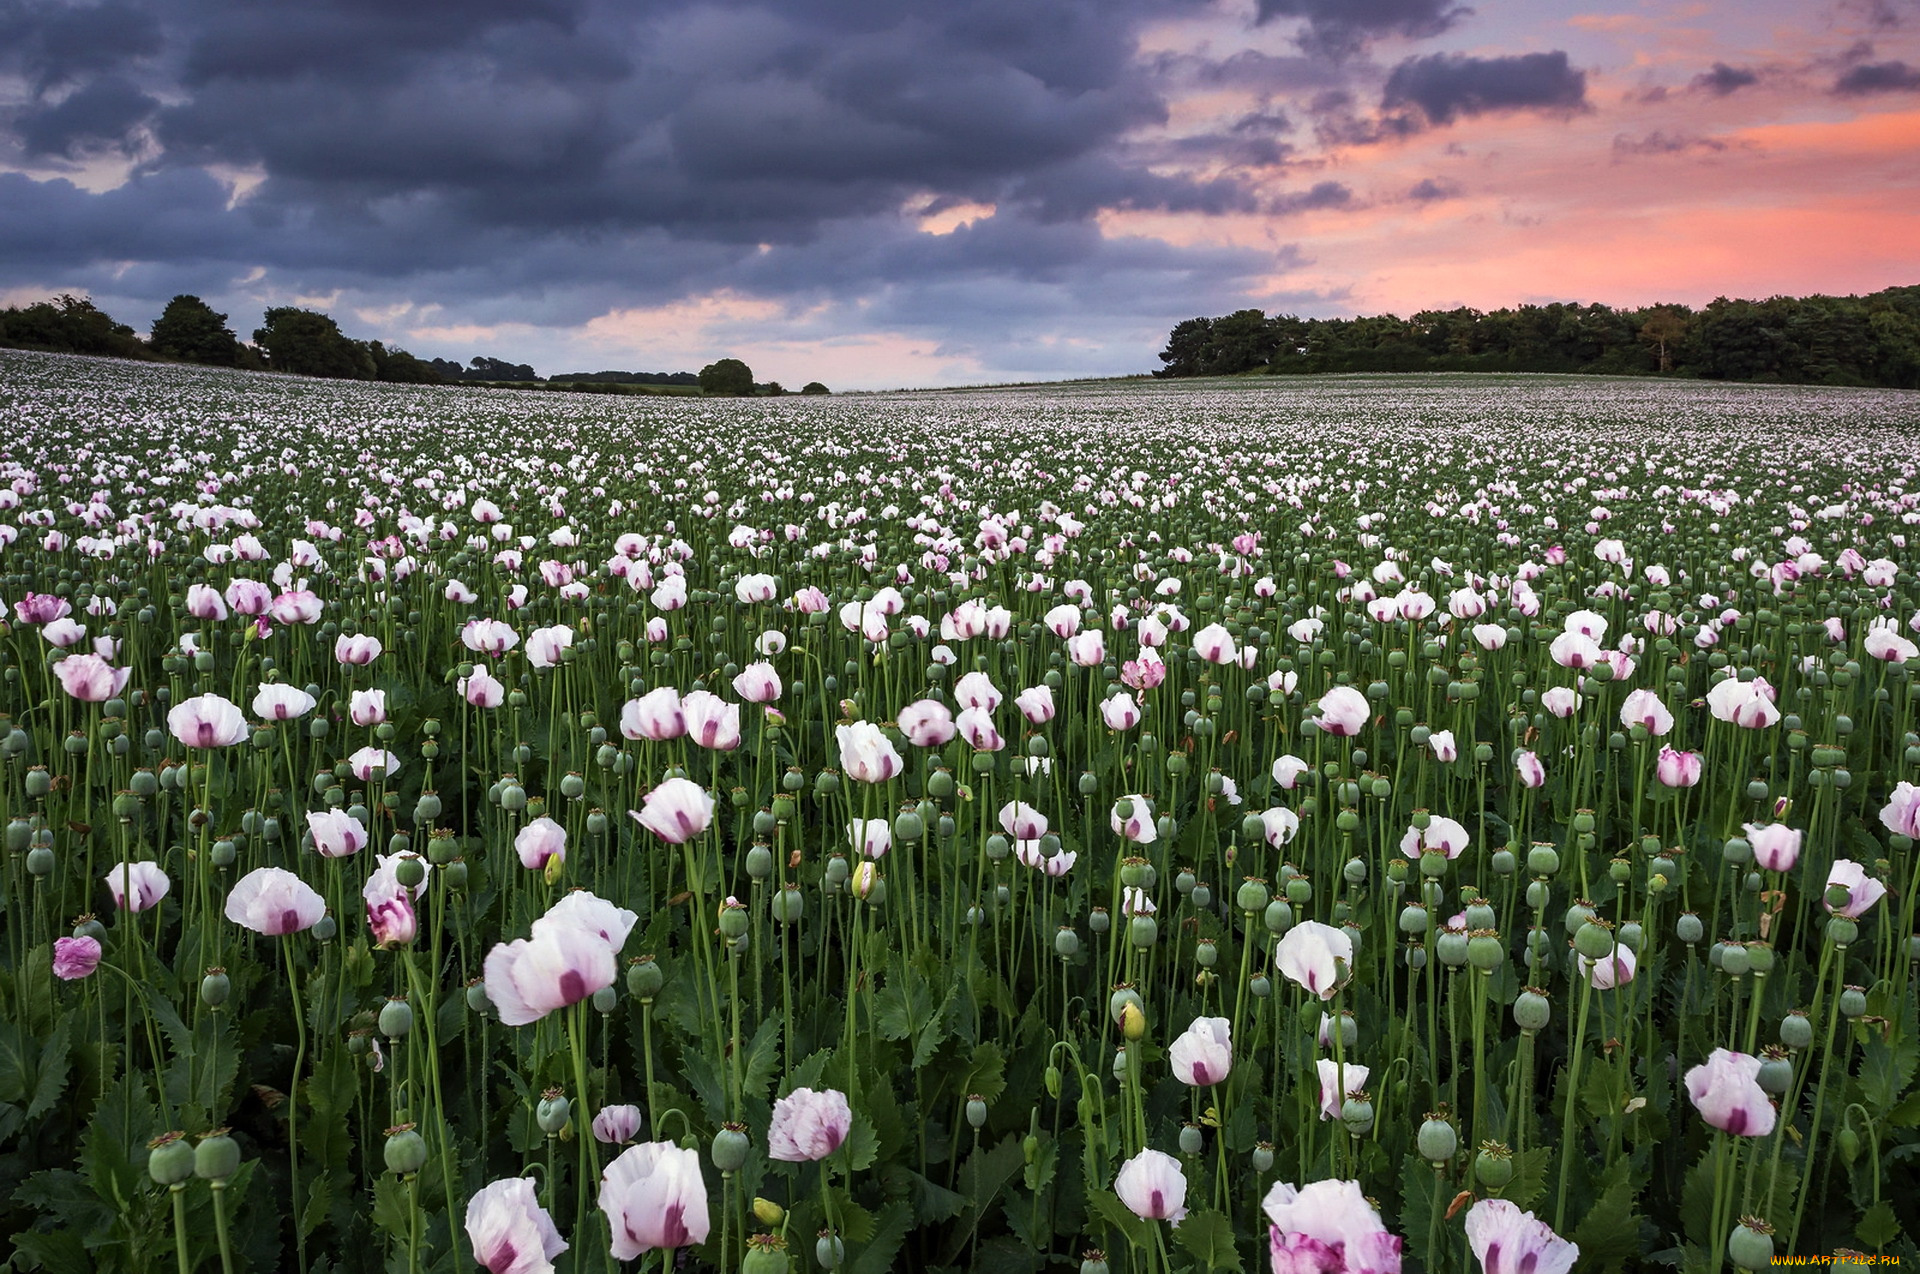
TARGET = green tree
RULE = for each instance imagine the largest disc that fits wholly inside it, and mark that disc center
(400, 367)
(814, 387)
(192, 330)
(1188, 348)
(728, 378)
(309, 343)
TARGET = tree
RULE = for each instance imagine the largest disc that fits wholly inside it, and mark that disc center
(400, 367)
(1188, 347)
(309, 343)
(484, 368)
(71, 325)
(1664, 328)
(192, 330)
(814, 387)
(728, 378)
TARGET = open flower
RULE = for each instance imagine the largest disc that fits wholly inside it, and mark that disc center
(655, 716)
(1316, 956)
(1343, 711)
(137, 886)
(1726, 1090)
(559, 965)
(866, 755)
(1327, 1226)
(277, 701)
(654, 1197)
(207, 721)
(1776, 847)
(336, 833)
(1509, 1241)
(540, 842)
(1203, 1054)
(1337, 1083)
(927, 723)
(712, 722)
(510, 1232)
(1862, 890)
(616, 1125)
(274, 901)
(1153, 1187)
(1441, 836)
(90, 679)
(676, 811)
(808, 1125)
(1137, 824)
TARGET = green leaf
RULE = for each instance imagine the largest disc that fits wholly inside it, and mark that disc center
(58, 1252)
(763, 1059)
(933, 1202)
(1879, 1226)
(1609, 1234)
(877, 1256)
(1885, 1073)
(986, 1172)
(390, 1210)
(701, 1072)
(1106, 1205)
(332, 1092)
(1416, 1206)
(987, 1076)
(863, 1143)
(16, 1063)
(1530, 1176)
(808, 1073)
(1696, 1200)
(53, 1070)
(1209, 1236)
(1039, 1173)
(904, 1004)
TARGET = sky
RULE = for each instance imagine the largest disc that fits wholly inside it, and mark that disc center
(887, 193)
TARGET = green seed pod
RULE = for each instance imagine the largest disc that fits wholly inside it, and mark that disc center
(405, 1151)
(1493, 1166)
(1750, 1246)
(1191, 1140)
(396, 1018)
(217, 1157)
(644, 979)
(976, 1111)
(1438, 1140)
(1066, 942)
(1776, 1073)
(170, 1162)
(215, 988)
(1796, 1032)
(552, 1112)
(730, 1145)
(1853, 1002)
(1531, 1011)
(766, 1254)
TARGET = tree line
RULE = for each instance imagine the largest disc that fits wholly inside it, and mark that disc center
(309, 343)
(1823, 340)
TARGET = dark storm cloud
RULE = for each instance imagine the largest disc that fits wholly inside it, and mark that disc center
(1341, 28)
(1446, 86)
(1877, 77)
(547, 161)
(53, 44)
(1724, 79)
(97, 117)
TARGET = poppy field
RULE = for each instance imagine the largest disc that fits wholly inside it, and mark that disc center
(1372, 824)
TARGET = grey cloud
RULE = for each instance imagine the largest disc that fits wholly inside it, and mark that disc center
(1446, 86)
(1341, 28)
(1724, 79)
(1877, 77)
(1660, 142)
(1434, 190)
(98, 116)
